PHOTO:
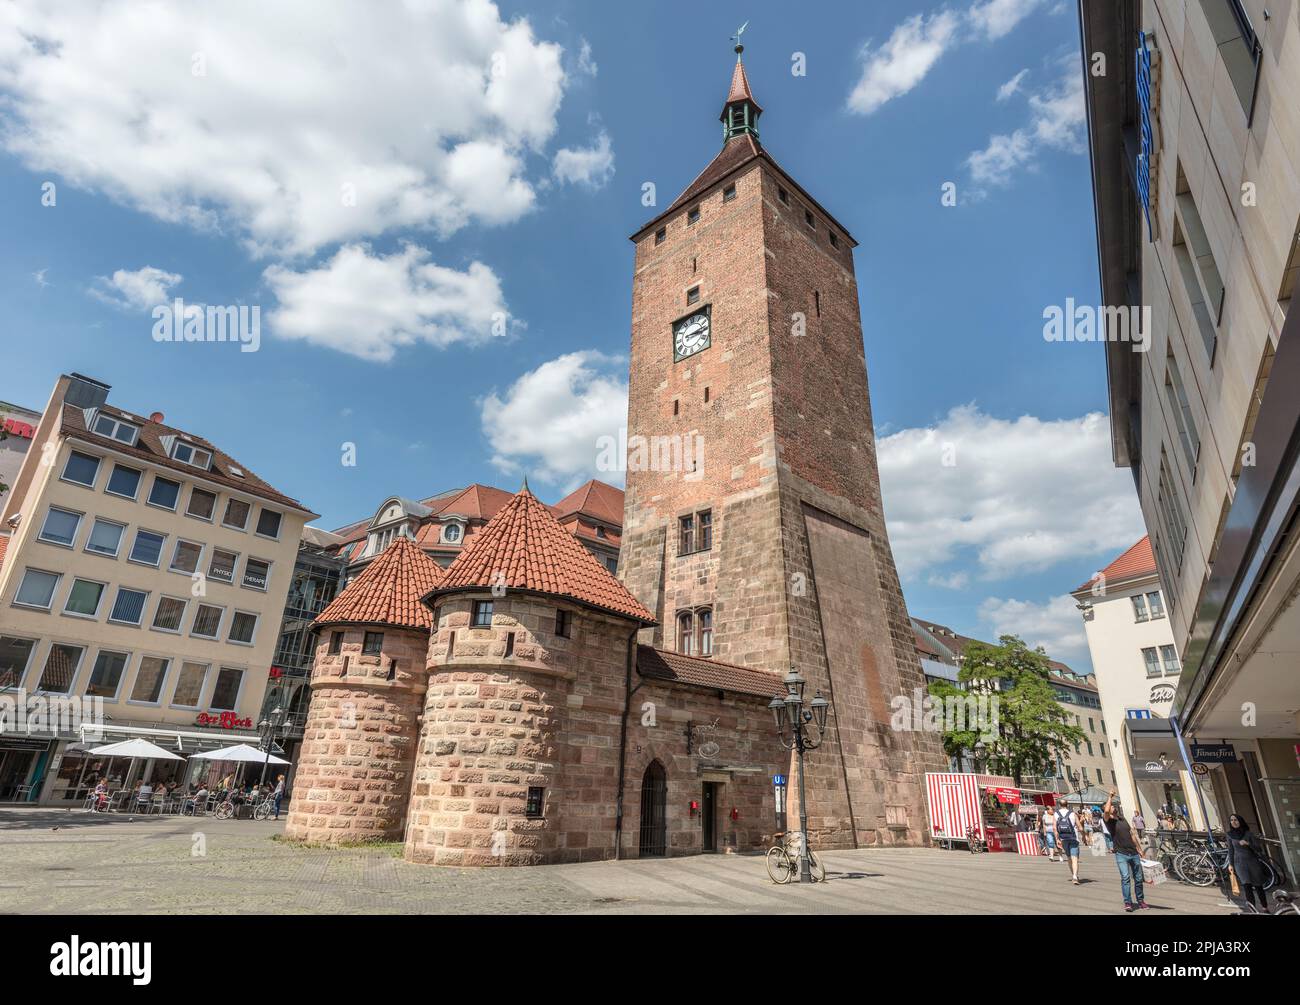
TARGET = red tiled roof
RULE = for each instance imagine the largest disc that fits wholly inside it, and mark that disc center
(478, 502)
(740, 86)
(1138, 561)
(595, 499)
(524, 547)
(389, 591)
(657, 664)
(149, 446)
(945, 636)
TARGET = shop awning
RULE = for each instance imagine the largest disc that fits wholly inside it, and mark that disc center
(138, 748)
(239, 752)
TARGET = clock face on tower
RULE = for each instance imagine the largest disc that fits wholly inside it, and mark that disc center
(692, 334)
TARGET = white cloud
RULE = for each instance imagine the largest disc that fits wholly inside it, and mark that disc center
(591, 166)
(1056, 625)
(1012, 86)
(254, 118)
(1018, 497)
(903, 61)
(369, 305)
(586, 65)
(997, 18)
(1057, 119)
(549, 421)
(141, 290)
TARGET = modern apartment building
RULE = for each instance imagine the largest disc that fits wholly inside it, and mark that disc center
(145, 568)
(1089, 765)
(1136, 666)
(1194, 123)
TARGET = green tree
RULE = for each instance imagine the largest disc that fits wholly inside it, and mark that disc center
(1032, 731)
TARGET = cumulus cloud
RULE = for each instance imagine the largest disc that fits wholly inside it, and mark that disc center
(1056, 625)
(1004, 497)
(1057, 121)
(592, 166)
(294, 125)
(141, 289)
(902, 62)
(369, 305)
(549, 421)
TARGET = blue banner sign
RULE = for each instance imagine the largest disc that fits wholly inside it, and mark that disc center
(1148, 148)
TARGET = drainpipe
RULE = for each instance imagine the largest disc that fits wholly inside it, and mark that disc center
(628, 691)
(1200, 798)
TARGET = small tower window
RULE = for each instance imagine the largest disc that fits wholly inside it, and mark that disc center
(784, 196)
(482, 614)
(336, 643)
(693, 295)
(729, 193)
(661, 235)
(392, 669)
(536, 802)
(510, 644)
(372, 644)
(835, 241)
(693, 215)
(563, 624)
(676, 406)
(809, 219)
(706, 395)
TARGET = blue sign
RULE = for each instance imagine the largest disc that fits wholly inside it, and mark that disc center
(1138, 713)
(1214, 753)
(778, 780)
(1148, 138)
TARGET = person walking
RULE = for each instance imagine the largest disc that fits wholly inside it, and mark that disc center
(279, 795)
(1246, 857)
(1127, 856)
(1140, 826)
(1067, 832)
(1049, 834)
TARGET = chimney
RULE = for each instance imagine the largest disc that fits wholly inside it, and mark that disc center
(156, 417)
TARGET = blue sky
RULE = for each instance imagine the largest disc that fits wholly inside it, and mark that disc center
(191, 158)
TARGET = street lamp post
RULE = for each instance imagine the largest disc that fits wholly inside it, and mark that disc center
(269, 727)
(791, 730)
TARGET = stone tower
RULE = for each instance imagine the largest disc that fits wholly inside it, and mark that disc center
(753, 498)
(528, 668)
(368, 682)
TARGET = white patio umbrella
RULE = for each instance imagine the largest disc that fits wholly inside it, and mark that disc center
(239, 752)
(138, 748)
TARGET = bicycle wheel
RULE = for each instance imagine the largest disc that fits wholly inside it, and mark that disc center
(1271, 876)
(779, 865)
(262, 811)
(817, 867)
(224, 811)
(1195, 868)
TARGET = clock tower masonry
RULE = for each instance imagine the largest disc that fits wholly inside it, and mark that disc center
(753, 529)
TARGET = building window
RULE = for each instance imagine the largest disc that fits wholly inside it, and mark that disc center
(147, 549)
(61, 665)
(451, 533)
(60, 527)
(704, 623)
(257, 573)
(116, 429)
(188, 454)
(372, 644)
(186, 557)
(563, 624)
(1181, 409)
(1155, 605)
(693, 216)
(81, 469)
(783, 195)
(1239, 46)
(164, 493)
(482, 617)
(207, 621)
(1152, 658)
(686, 633)
(704, 537)
(124, 482)
(336, 643)
(809, 219)
(661, 235)
(243, 626)
(189, 685)
(15, 654)
(835, 241)
(693, 295)
(202, 504)
(706, 395)
(268, 524)
(1169, 656)
(686, 534)
(106, 676)
(222, 566)
(536, 802)
(225, 694)
(128, 608)
(83, 599)
(37, 589)
(149, 680)
(237, 512)
(729, 193)
(1170, 506)
(105, 538)
(1140, 609)
(510, 644)
(170, 613)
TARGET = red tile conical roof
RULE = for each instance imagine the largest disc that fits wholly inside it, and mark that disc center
(740, 86)
(1135, 563)
(524, 547)
(389, 591)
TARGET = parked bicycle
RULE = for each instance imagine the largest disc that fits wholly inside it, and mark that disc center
(783, 860)
(974, 842)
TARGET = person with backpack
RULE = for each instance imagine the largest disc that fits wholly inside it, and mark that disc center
(1067, 833)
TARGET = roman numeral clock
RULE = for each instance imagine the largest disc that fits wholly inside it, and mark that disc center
(693, 333)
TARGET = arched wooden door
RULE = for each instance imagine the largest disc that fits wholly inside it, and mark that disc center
(654, 811)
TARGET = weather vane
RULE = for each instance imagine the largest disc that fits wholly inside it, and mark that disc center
(736, 37)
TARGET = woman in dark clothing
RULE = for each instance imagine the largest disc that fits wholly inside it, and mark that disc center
(1245, 854)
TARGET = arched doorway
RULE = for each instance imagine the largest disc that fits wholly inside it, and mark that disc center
(654, 811)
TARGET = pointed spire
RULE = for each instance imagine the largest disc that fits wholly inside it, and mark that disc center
(525, 485)
(740, 111)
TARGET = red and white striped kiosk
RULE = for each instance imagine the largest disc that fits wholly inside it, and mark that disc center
(957, 802)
